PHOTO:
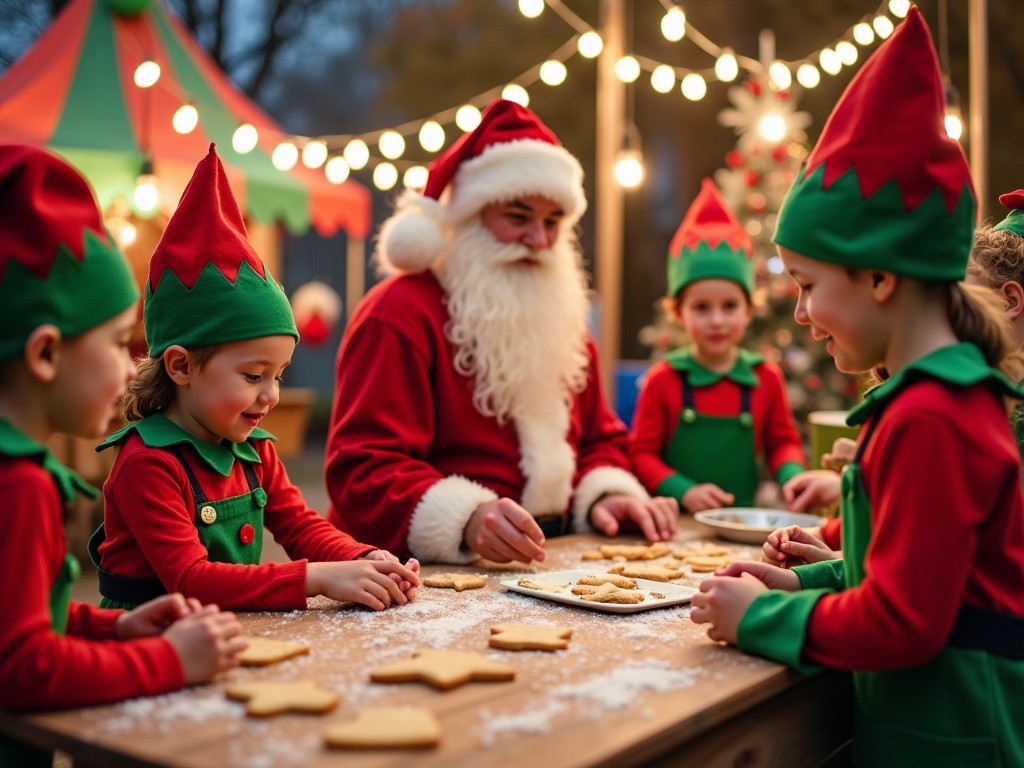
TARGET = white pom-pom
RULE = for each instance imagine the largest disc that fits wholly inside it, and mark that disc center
(412, 239)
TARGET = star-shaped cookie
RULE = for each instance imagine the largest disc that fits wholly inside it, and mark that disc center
(265, 650)
(527, 637)
(387, 727)
(268, 697)
(651, 571)
(456, 581)
(443, 669)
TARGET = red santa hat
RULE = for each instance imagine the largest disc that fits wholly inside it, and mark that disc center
(510, 154)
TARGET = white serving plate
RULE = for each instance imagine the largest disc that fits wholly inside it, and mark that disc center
(675, 594)
(752, 525)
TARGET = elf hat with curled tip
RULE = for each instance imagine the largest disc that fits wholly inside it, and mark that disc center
(710, 243)
(885, 188)
(207, 285)
(58, 265)
(510, 154)
(1014, 221)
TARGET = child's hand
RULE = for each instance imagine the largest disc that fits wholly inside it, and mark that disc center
(368, 582)
(769, 575)
(722, 601)
(793, 545)
(207, 642)
(842, 453)
(706, 496)
(153, 617)
(811, 490)
(408, 587)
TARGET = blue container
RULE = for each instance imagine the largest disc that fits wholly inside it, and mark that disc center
(628, 375)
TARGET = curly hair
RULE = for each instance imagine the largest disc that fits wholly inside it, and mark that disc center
(997, 257)
(153, 389)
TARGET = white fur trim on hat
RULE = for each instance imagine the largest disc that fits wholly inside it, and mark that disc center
(514, 169)
(413, 237)
(436, 528)
(599, 482)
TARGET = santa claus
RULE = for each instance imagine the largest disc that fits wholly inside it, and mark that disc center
(468, 417)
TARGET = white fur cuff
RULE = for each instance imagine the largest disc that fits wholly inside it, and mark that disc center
(435, 531)
(598, 482)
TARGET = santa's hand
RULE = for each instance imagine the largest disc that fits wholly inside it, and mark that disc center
(503, 531)
(656, 518)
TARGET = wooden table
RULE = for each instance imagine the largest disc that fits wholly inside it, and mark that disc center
(632, 689)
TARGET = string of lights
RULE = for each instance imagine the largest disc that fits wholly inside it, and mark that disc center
(341, 154)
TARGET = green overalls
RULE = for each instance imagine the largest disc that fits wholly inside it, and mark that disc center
(964, 707)
(231, 529)
(69, 485)
(715, 449)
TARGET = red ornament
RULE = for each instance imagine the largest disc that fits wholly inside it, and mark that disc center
(812, 382)
(734, 158)
(751, 177)
(317, 309)
(779, 154)
(754, 86)
(757, 202)
(314, 330)
(782, 96)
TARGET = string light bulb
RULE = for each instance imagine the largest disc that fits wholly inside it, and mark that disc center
(899, 8)
(244, 138)
(314, 154)
(883, 26)
(531, 9)
(147, 74)
(553, 72)
(954, 118)
(808, 75)
(385, 176)
(467, 117)
(391, 144)
(829, 61)
(627, 69)
(779, 76)
(629, 162)
(694, 87)
(336, 170)
(431, 136)
(146, 195)
(772, 127)
(863, 34)
(356, 154)
(590, 45)
(284, 156)
(415, 177)
(847, 52)
(726, 66)
(516, 93)
(663, 78)
(673, 24)
(185, 119)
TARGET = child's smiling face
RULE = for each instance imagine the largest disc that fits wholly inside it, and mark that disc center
(227, 397)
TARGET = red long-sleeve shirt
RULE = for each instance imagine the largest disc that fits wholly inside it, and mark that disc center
(38, 667)
(660, 404)
(148, 516)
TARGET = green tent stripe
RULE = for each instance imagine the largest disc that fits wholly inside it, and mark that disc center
(270, 194)
(95, 115)
(111, 173)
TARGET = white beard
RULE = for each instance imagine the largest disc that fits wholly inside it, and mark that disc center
(520, 332)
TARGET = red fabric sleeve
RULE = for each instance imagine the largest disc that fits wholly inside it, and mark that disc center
(300, 530)
(152, 498)
(779, 436)
(831, 533)
(86, 620)
(39, 668)
(948, 527)
(655, 419)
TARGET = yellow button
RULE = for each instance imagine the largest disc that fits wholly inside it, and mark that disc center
(208, 514)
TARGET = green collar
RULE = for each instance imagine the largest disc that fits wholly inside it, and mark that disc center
(961, 364)
(698, 376)
(15, 443)
(157, 431)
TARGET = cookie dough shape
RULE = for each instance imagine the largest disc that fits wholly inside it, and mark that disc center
(387, 728)
(444, 669)
(543, 586)
(707, 564)
(274, 697)
(265, 650)
(650, 571)
(456, 581)
(635, 551)
(706, 549)
(608, 578)
(528, 637)
(608, 593)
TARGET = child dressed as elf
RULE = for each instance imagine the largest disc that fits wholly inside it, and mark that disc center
(711, 409)
(195, 480)
(67, 309)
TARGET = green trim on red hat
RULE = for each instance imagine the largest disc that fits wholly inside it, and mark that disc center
(1014, 221)
(705, 263)
(838, 225)
(75, 296)
(215, 310)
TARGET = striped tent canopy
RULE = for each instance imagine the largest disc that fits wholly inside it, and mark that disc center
(74, 92)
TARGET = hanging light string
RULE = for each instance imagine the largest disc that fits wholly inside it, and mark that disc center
(340, 154)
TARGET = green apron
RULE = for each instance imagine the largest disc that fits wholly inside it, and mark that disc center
(699, 443)
(16, 754)
(231, 530)
(965, 707)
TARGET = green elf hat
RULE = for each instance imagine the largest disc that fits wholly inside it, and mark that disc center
(207, 285)
(710, 243)
(58, 265)
(1014, 221)
(885, 188)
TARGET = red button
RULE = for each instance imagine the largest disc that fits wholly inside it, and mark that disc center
(246, 533)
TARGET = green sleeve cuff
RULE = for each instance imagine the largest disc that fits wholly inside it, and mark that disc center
(674, 486)
(828, 574)
(788, 471)
(775, 624)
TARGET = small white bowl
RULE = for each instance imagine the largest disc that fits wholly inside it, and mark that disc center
(751, 525)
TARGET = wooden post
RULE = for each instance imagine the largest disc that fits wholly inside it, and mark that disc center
(977, 131)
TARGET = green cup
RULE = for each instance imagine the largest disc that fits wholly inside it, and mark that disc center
(826, 428)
